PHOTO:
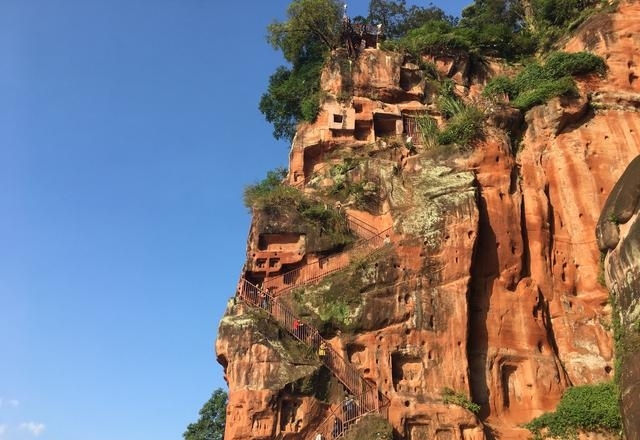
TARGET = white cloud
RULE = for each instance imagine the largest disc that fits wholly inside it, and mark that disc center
(34, 428)
(10, 402)
(3, 429)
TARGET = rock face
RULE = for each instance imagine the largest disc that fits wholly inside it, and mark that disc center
(619, 237)
(474, 274)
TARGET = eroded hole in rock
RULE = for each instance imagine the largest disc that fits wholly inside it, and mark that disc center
(608, 369)
(406, 371)
(540, 346)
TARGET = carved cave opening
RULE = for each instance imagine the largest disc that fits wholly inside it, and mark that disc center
(288, 412)
(281, 242)
(384, 125)
(510, 384)
(356, 353)
(362, 130)
(409, 78)
(418, 431)
(406, 372)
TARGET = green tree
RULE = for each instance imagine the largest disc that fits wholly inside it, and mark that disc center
(313, 28)
(210, 425)
(397, 19)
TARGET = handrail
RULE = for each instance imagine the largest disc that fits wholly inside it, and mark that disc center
(360, 227)
(342, 418)
(317, 269)
(341, 368)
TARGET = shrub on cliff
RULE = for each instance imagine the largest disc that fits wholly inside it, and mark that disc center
(450, 396)
(281, 207)
(590, 408)
(537, 83)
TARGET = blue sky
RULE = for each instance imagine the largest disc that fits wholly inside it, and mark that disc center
(128, 130)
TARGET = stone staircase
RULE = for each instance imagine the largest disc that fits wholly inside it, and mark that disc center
(364, 397)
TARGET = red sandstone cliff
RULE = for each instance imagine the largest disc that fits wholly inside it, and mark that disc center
(485, 278)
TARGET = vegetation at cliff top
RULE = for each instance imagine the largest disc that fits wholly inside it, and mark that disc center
(511, 29)
(210, 425)
(590, 408)
(283, 206)
(538, 83)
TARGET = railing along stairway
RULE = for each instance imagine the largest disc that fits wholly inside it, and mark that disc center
(364, 395)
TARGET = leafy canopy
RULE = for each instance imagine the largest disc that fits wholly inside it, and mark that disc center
(210, 425)
(313, 28)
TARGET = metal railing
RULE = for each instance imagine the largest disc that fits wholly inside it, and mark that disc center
(364, 399)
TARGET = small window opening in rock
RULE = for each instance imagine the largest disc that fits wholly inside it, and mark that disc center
(608, 369)
(407, 331)
(407, 403)
(357, 107)
(540, 346)
(367, 371)
(337, 119)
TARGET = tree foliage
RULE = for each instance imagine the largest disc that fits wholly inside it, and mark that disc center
(210, 425)
(397, 19)
(313, 26)
(312, 29)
